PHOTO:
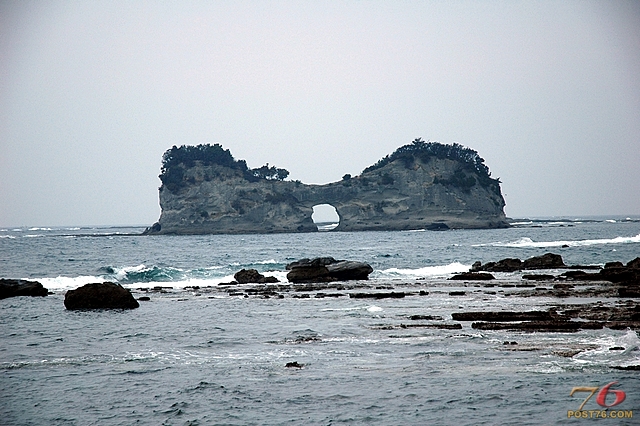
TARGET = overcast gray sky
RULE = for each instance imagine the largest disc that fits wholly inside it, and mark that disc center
(93, 92)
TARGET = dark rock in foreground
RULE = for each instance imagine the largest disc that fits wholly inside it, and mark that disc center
(246, 276)
(13, 288)
(105, 295)
(326, 269)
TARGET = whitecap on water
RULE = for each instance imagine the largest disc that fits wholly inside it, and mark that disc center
(68, 283)
(427, 271)
(526, 242)
(629, 341)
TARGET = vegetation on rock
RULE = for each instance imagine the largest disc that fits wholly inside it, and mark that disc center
(177, 159)
(425, 151)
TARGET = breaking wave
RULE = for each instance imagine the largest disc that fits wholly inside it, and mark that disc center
(427, 271)
(142, 276)
(526, 242)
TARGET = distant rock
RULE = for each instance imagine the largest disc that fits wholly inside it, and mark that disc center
(246, 276)
(13, 288)
(105, 295)
(546, 261)
(326, 269)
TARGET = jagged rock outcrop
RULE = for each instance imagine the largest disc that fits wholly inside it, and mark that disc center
(420, 186)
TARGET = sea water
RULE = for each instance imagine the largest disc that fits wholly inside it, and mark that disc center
(193, 357)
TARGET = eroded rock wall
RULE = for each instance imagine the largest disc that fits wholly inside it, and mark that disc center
(400, 195)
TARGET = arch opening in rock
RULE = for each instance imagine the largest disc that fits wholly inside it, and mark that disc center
(325, 217)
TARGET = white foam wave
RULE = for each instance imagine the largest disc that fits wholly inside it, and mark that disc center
(629, 341)
(526, 242)
(40, 229)
(427, 271)
(8, 236)
(121, 273)
(67, 283)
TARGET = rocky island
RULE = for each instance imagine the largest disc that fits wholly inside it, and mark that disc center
(422, 185)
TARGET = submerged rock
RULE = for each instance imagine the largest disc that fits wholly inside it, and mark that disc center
(634, 264)
(473, 276)
(13, 288)
(502, 316)
(105, 295)
(380, 295)
(538, 277)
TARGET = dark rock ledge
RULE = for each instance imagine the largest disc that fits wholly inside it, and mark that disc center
(327, 269)
(14, 288)
(566, 318)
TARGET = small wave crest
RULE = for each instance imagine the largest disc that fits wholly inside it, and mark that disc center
(427, 271)
(68, 283)
(527, 242)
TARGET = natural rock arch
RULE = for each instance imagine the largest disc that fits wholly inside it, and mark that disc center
(420, 186)
(325, 216)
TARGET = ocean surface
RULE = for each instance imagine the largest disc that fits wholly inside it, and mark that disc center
(198, 353)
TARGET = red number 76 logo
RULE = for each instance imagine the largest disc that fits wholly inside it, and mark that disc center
(602, 395)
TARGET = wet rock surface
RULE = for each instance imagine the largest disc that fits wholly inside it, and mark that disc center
(327, 269)
(246, 276)
(105, 295)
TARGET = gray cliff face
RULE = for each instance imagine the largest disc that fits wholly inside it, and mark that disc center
(438, 193)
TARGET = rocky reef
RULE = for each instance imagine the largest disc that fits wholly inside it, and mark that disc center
(422, 185)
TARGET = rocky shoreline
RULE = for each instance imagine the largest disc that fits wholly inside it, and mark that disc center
(614, 285)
